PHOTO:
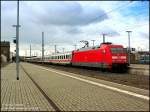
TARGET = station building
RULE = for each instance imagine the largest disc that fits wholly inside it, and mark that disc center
(5, 49)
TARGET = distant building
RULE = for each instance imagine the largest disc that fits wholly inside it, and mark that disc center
(144, 57)
(140, 57)
(5, 49)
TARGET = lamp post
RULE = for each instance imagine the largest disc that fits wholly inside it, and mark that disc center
(42, 46)
(75, 47)
(93, 42)
(17, 42)
(63, 50)
(103, 38)
(129, 61)
(55, 48)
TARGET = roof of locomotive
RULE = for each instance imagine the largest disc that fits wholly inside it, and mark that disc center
(96, 47)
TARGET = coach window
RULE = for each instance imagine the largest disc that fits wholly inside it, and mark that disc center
(64, 56)
(69, 56)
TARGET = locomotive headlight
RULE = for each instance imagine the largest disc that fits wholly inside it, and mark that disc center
(123, 57)
(114, 57)
(103, 51)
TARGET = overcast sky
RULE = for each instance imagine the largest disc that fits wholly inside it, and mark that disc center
(65, 23)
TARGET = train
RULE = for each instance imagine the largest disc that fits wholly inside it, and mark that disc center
(106, 56)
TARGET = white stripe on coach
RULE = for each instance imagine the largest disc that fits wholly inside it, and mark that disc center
(101, 85)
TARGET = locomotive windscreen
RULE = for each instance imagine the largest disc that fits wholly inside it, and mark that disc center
(118, 50)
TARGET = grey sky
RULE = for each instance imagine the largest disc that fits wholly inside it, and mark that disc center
(66, 23)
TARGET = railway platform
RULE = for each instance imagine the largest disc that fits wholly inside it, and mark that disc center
(46, 89)
(139, 69)
(20, 95)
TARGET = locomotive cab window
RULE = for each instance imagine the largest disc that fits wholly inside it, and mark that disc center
(117, 50)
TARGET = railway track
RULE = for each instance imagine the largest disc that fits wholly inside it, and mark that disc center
(139, 81)
(43, 93)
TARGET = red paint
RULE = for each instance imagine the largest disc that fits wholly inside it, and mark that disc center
(101, 55)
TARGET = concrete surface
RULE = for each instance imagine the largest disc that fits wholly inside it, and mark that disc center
(20, 95)
(73, 95)
(139, 69)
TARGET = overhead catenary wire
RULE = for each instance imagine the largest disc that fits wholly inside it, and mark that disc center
(121, 7)
(133, 27)
(115, 9)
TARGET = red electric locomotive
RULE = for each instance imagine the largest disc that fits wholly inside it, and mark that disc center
(105, 56)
